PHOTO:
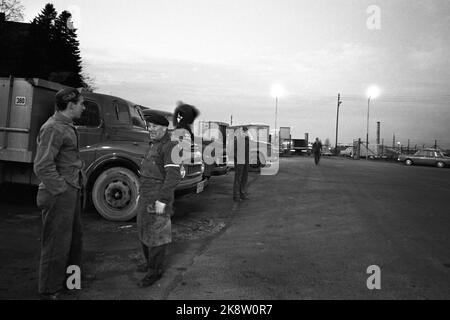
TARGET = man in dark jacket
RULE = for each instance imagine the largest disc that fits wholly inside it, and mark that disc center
(241, 164)
(159, 177)
(59, 168)
(317, 150)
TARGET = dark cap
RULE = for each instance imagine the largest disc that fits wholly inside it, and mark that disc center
(157, 119)
(67, 95)
(245, 128)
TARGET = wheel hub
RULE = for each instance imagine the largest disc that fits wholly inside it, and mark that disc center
(117, 194)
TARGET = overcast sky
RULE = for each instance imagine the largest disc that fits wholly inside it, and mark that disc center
(224, 55)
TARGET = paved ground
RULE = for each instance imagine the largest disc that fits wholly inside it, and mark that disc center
(307, 233)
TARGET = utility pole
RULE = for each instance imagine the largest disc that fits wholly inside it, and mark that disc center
(339, 102)
(393, 141)
(276, 116)
(231, 122)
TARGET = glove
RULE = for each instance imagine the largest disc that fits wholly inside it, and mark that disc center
(159, 207)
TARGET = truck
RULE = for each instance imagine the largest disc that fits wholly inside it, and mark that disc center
(207, 133)
(301, 146)
(262, 151)
(285, 140)
(113, 139)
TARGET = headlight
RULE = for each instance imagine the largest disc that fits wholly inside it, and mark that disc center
(182, 172)
(203, 167)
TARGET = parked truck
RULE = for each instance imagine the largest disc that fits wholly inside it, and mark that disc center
(113, 139)
(285, 140)
(262, 151)
(301, 147)
(213, 135)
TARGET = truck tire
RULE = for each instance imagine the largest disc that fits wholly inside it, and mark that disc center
(409, 162)
(115, 194)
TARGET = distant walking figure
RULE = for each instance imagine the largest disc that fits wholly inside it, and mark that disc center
(317, 149)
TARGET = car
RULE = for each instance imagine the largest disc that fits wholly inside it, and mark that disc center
(348, 152)
(430, 156)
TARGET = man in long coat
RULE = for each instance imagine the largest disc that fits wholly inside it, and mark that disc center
(159, 177)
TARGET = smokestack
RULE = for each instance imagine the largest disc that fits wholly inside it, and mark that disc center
(307, 137)
(378, 132)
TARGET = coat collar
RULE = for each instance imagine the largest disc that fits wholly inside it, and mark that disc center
(166, 137)
(58, 116)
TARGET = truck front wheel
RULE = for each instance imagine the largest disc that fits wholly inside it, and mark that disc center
(114, 194)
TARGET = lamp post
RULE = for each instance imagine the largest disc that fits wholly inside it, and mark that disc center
(372, 93)
(337, 123)
(277, 91)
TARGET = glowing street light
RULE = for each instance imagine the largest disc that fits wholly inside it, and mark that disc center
(277, 91)
(372, 93)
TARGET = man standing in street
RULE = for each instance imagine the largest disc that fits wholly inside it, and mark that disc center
(317, 150)
(59, 168)
(241, 163)
(159, 177)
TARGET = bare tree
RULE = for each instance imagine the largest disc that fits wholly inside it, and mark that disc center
(13, 10)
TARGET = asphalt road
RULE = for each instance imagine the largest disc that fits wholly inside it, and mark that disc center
(309, 232)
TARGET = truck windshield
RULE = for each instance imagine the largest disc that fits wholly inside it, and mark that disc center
(136, 117)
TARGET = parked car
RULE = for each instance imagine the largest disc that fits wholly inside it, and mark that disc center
(348, 152)
(431, 157)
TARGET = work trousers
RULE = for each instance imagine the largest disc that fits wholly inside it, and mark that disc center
(61, 239)
(240, 180)
(316, 158)
(154, 256)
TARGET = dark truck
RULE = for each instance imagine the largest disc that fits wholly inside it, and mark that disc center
(213, 134)
(301, 146)
(113, 140)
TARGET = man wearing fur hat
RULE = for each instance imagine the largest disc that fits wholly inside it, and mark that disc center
(159, 177)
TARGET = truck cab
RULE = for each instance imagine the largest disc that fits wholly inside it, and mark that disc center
(212, 135)
(113, 140)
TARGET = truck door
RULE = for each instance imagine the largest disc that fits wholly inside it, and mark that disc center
(90, 130)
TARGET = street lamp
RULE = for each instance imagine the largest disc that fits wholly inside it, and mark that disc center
(373, 92)
(276, 92)
(337, 123)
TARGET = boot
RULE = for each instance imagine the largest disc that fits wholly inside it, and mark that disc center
(150, 278)
(142, 267)
(155, 266)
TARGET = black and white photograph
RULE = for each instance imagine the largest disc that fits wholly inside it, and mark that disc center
(247, 151)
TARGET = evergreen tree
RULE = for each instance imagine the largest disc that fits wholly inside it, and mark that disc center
(54, 52)
(39, 62)
(66, 53)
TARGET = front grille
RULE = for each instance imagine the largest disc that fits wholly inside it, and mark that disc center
(193, 169)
